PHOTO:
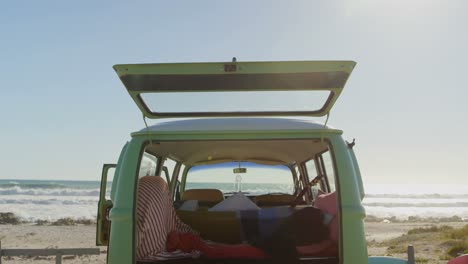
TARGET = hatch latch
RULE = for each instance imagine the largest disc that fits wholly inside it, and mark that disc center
(351, 145)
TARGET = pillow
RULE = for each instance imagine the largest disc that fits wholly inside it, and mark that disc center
(189, 205)
(236, 202)
(327, 218)
(327, 203)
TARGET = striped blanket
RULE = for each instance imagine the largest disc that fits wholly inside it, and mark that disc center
(156, 218)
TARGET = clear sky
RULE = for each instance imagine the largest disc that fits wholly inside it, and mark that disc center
(64, 112)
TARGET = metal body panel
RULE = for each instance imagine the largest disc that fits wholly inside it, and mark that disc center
(386, 260)
(102, 223)
(213, 125)
(353, 245)
(122, 214)
(115, 181)
(357, 171)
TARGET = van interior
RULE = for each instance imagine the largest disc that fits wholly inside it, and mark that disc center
(276, 197)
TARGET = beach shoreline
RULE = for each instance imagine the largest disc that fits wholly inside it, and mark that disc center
(83, 236)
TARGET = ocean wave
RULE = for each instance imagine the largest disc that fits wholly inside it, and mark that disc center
(393, 205)
(418, 196)
(16, 190)
(48, 202)
(33, 185)
(49, 212)
(415, 219)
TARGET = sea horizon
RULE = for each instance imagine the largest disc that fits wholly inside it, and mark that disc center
(33, 200)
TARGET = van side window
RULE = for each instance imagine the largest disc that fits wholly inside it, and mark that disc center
(170, 165)
(148, 165)
(312, 173)
(327, 160)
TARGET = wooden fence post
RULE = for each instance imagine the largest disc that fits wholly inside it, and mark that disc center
(58, 258)
(411, 259)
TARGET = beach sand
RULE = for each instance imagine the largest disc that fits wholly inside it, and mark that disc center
(40, 237)
(83, 236)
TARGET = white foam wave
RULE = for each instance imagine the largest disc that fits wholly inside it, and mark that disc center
(51, 203)
(14, 202)
(418, 196)
(415, 190)
(423, 212)
(49, 192)
(51, 212)
(433, 205)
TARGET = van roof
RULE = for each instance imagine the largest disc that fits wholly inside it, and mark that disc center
(236, 124)
(271, 151)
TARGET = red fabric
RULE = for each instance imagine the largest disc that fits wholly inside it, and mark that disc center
(325, 248)
(459, 260)
(327, 203)
(189, 242)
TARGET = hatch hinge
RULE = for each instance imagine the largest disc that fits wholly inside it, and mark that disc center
(324, 126)
(147, 129)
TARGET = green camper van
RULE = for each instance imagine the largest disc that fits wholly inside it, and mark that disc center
(239, 129)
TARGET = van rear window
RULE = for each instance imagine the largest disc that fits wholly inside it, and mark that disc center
(258, 178)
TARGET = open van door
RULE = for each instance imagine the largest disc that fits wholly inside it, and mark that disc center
(104, 205)
(175, 90)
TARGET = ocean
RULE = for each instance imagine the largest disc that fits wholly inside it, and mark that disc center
(33, 200)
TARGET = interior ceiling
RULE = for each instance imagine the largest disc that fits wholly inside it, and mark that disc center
(259, 151)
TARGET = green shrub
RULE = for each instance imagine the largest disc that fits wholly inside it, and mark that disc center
(9, 218)
(431, 229)
(42, 222)
(64, 222)
(458, 248)
(461, 233)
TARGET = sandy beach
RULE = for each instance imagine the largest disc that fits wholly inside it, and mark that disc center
(35, 236)
(83, 236)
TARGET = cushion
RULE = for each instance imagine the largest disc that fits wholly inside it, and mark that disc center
(236, 202)
(190, 205)
(327, 203)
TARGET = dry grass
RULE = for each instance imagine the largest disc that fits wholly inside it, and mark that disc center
(443, 242)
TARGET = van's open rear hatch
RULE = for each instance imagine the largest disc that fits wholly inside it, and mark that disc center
(300, 88)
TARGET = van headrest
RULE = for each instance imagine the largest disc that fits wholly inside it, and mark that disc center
(274, 199)
(203, 195)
